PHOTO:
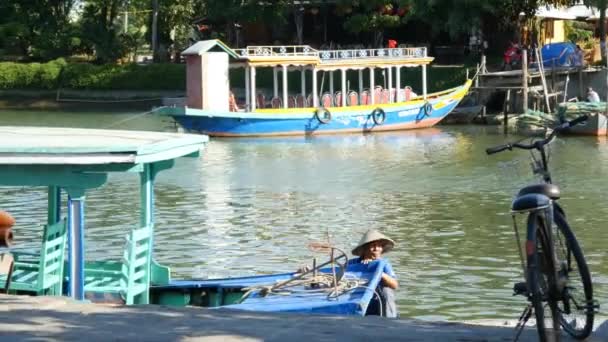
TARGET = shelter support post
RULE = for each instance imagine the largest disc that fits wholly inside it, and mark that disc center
(285, 104)
(275, 82)
(146, 213)
(253, 91)
(371, 86)
(247, 92)
(398, 86)
(76, 244)
(343, 87)
(303, 81)
(315, 95)
(331, 83)
(54, 205)
(424, 81)
(360, 83)
(390, 84)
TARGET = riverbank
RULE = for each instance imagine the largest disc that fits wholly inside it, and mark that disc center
(58, 318)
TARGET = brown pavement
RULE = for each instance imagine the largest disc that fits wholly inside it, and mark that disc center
(24, 318)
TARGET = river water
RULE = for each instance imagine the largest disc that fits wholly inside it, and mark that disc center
(251, 206)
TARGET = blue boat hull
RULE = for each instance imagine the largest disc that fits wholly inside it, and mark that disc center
(303, 121)
(229, 293)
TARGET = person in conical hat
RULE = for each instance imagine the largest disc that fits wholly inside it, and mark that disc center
(371, 247)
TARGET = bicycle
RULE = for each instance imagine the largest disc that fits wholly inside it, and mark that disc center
(555, 273)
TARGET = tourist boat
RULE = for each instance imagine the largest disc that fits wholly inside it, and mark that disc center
(211, 107)
(73, 161)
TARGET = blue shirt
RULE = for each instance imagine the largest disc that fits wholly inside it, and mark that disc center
(388, 269)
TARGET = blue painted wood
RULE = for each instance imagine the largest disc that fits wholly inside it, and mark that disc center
(406, 115)
(354, 302)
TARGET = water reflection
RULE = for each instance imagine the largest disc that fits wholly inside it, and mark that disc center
(250, 206)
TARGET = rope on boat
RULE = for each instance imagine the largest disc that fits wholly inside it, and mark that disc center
(334, 284)
(133, 117)
(321, 283)
(59, 99)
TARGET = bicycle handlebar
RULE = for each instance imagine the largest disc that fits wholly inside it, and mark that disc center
(538, 143)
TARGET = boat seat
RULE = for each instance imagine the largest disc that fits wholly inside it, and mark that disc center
(549, 190)
(131, 277)
(353, 99)
(365, 97)
(301, 101)
(276, 102)
(338, 98)
(327, 100)
(40, 273)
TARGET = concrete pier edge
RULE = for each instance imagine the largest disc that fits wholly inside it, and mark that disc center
(24, 318)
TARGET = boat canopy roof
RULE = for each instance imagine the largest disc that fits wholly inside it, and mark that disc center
(304, 55)
(65, 156)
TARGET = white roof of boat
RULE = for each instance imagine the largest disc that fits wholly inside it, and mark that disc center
(21, 145)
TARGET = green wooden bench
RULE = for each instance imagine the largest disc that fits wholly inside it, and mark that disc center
(129, 278)
(41, 273)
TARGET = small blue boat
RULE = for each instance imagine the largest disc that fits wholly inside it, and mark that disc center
(211, 107)
(356, 291)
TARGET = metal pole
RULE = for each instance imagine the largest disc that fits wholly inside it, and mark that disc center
(524, 73)
(343, 87)
(424, 81)
(398, 72)
(315, 95)
(390, 84)
(275, 81)
(285, 104)
(331, 83)
(247, 91)
(76, 247)
(371, 85)
(303, 81)
(253, 92)
(360, 82)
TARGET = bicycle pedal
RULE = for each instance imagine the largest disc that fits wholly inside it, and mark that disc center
(594, 306)
(520, 289)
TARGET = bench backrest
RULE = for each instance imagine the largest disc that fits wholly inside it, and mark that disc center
(52, 254)
(136, 262)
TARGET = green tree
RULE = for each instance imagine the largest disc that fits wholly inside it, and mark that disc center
(101, 28)
(38, 29)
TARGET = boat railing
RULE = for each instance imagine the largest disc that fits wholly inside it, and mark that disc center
(331, 55)
(285, 50)
(334, 55)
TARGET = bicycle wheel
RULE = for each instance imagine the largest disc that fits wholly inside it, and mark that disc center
(541, 279)
(576, 311)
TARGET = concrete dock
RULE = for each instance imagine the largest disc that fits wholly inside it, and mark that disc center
(24, 318)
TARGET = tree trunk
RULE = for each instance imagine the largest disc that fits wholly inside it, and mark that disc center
(603, 31)
(155, 54)
(298, 19)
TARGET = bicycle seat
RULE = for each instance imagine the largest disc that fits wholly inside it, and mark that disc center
(530, 202)
(549, 190)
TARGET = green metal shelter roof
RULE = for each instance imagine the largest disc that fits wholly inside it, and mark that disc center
(80, 158)
(78, 146)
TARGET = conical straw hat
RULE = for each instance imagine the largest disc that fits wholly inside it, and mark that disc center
(6, 220)
(374, 235)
